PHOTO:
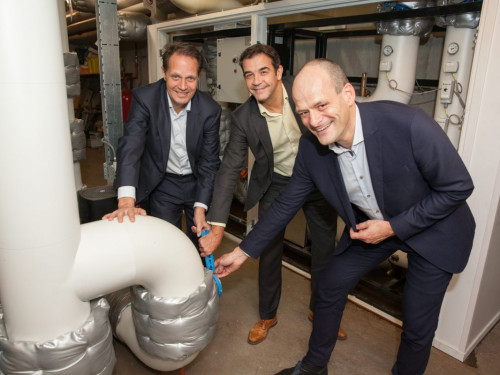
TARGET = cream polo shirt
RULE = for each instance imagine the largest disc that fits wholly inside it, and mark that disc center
(285, 135)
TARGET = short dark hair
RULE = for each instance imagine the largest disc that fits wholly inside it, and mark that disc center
(259, 48)
(184, 49)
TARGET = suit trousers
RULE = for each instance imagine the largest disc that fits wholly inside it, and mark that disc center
(322, 221)
(423, 293)
(174, 195)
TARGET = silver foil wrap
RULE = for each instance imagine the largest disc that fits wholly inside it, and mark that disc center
(87, 351)
(463, 20)
(415, 27)
(133, 26)
(175, 328)
(421, 26)
(118, 302)
(72, 72)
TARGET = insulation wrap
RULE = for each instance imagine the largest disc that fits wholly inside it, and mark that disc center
(87, 351)
(175, 328)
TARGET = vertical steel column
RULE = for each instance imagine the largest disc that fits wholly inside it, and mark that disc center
(109, 73)
(321, 45)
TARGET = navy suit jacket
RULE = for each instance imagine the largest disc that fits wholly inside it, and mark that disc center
(420, 184)
(143, 150)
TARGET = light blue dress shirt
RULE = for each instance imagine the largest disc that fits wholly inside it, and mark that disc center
(356, 174)
(178, 160)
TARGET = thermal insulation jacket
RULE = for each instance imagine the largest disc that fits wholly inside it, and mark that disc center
(86, 351)
(72, 73)
(133, 26)
(420, 26)
(176, 328)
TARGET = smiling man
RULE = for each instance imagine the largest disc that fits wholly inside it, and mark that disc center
(398, 183)
(267, 124)
(169, 152)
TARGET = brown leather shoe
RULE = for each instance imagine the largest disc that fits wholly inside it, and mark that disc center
(258, 333)
(341, 334)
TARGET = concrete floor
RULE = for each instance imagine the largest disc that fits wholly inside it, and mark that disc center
(370, 348)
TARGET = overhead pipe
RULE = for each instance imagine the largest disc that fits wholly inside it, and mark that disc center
(399, 51)
(203, 6)
(132, 21)
(74, 17)
(456, 63)
(50, 265)
(89, 5)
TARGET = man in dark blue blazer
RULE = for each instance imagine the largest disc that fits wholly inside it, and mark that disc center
(169, 152)
(397, 182)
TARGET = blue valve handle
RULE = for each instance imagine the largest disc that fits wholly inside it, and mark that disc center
(209, 261)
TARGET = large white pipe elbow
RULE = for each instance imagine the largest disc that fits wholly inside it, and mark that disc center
(149, 252)
(397, 69)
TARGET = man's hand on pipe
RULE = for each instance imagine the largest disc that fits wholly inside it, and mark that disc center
(126, 207)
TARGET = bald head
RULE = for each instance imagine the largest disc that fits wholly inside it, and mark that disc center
(325, 101)
(333, 71)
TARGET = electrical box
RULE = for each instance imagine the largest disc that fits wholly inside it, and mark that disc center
(231, 85)
(385, 66)
(451, 67)
(447, 88)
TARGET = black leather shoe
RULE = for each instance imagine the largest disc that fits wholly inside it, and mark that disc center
(302, 368)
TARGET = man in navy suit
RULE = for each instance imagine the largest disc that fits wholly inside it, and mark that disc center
(169, 152)
(398, 183)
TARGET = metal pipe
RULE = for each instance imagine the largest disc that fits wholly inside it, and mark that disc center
(362, 90)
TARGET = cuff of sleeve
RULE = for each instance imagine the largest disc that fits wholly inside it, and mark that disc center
(126, 192)
(199, 204)
(223, 225)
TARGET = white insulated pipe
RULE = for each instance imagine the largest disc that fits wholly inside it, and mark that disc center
(149, 252)
(202, 6)
(397, 69)
(50, 265)
(456, 63)
(39, 223)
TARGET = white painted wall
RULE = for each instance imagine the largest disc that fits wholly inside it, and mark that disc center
(472, 304)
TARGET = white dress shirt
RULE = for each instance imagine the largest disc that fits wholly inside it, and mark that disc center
(178, 160)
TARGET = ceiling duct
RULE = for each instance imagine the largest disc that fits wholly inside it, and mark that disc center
(204, 6)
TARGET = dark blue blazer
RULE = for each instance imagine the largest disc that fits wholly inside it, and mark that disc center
(143, 150)
(420, 184)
